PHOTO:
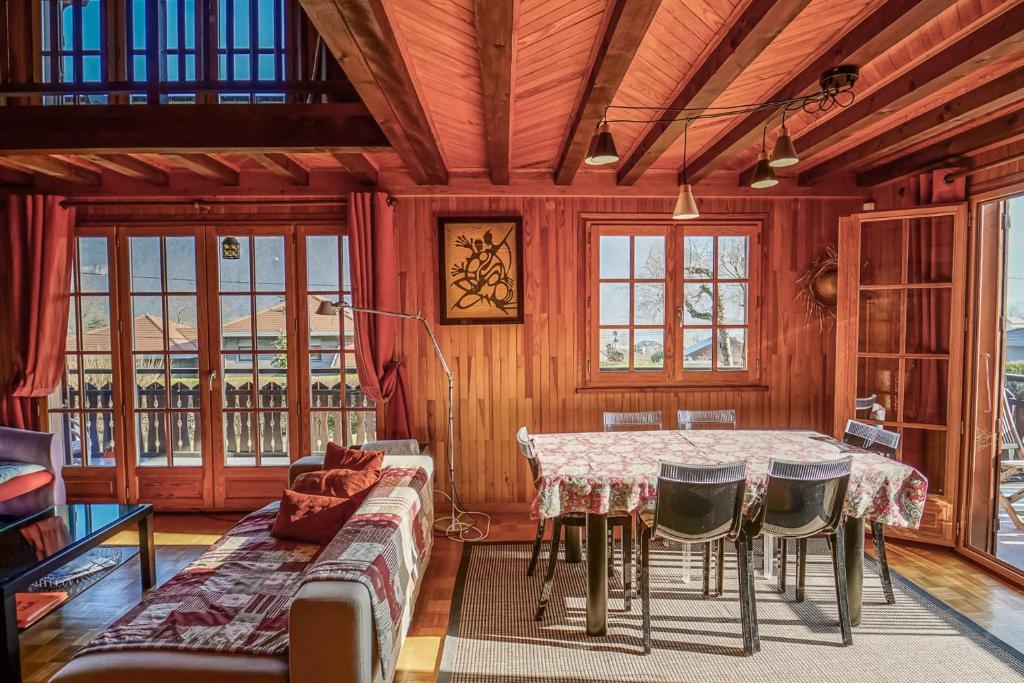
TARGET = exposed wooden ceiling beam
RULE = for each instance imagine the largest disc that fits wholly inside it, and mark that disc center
(996, 131)
(990, 39)
(890, 23)
(748, 36)
(130, 166)
(495, 24)
(114, 128)
(360, 166)
(283, 166)
(56, 168)
(207, 166)
(11, 176)
(360, 36)
(986, 98)
(624, 29)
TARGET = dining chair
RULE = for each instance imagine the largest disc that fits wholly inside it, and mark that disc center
(706, 419)
(864, 405)
(1011, 461)
(639, 421)
(700, 504)
(801, 500)
(569, 520)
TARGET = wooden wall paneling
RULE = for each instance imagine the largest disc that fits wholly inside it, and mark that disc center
(529, 374)
(889, 22)
(746, 38)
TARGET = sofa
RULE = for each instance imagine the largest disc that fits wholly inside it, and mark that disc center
(330, 624)
(30, 472)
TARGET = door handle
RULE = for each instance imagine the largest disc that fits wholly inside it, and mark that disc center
(210, 377)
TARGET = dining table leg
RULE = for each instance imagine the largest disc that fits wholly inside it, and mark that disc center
(573, 544)
(854, 533)
(597, 574)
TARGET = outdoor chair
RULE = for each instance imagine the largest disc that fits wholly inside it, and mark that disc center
(706, 419)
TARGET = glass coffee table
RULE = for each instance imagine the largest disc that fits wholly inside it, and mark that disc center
(32, 547)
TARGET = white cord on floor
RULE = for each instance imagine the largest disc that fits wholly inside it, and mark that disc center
(462, 526)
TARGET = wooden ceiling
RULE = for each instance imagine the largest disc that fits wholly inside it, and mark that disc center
(514, 88)
(492, 92)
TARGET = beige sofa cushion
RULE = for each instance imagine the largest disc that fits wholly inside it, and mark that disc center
(161, 666)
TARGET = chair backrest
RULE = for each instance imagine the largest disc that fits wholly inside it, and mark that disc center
(526, 448)
(803, 498)
(706, 419)
(699, 502)
(642, 421)
(1008, 425)
(865, 404)
(872, 438)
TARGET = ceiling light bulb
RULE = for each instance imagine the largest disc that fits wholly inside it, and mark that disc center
(686, 205)
(602, 147)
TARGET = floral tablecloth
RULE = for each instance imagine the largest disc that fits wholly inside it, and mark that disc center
(617, 472)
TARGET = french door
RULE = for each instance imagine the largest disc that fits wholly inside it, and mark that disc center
(900, 339)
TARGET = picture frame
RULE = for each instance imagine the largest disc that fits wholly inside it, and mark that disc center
(480, 269)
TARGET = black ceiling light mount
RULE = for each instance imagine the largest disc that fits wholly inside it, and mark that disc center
(839, 78)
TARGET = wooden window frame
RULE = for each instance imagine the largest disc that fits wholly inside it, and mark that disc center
(673, 375)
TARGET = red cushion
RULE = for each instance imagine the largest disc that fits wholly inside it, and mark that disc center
(25, 483)
(337, 483)
(311, 519)
(343, 457)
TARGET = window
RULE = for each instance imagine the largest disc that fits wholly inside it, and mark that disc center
(81, 410)
(672, 303)
(339, 410)
(72, 46)
(251, 46)
(180, 56)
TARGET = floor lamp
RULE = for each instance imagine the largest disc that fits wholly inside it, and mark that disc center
(460, 525)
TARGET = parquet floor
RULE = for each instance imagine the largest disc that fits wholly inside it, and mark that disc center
(48, 645)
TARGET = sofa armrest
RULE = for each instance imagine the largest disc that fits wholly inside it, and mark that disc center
(37, 448)
(330, 634)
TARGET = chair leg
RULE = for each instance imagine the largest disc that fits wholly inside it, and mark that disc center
(783, 563)
(842, 598)
(752, 595)
(720, 566)
(611, 550)
(535, 555)
(645, 586)
(707, 569)
(627, 564)
(549, 578)
(742, 568)
(801, 568)
(878, 535)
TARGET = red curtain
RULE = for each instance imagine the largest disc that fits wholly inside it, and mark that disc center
(36, 277)
(373, 256)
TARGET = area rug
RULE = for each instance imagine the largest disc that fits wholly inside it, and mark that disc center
(492, 635)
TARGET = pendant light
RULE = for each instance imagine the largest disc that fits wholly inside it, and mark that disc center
(602, 146)
(764, 174)
(686, 205)
(784, 153)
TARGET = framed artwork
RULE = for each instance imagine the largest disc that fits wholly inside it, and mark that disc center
(481, 269)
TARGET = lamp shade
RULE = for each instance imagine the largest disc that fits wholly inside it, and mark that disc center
(326, 308)
(784, 154)
(764, 176)
(602, 147)
(686, 205)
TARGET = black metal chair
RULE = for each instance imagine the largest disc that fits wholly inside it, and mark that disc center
(571, 520)
(805, 499)
(701, 504)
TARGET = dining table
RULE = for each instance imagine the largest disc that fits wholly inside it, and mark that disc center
(602, 473)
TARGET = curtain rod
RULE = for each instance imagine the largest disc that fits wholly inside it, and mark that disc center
(198, 203)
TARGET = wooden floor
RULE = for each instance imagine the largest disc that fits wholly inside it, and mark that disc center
(48, 645)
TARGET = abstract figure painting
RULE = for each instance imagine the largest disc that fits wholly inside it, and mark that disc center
(481, 264)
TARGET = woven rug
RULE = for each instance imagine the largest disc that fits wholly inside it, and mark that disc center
(492, 635)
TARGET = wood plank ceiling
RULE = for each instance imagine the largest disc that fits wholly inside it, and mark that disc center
(500, 91)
